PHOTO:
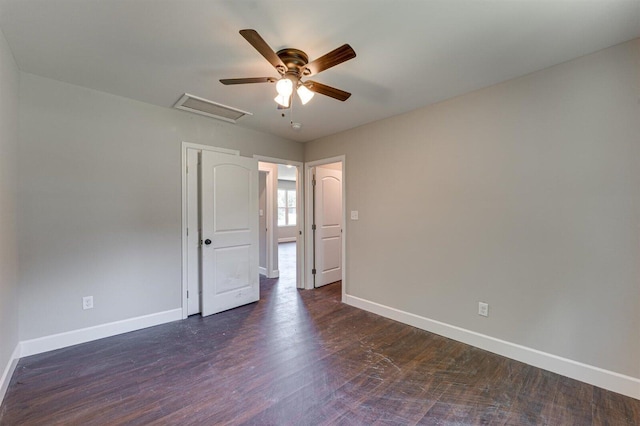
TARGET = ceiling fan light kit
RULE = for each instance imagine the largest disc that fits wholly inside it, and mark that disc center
(284, 87)
(282, 100)
(305, 94)
(293, 65)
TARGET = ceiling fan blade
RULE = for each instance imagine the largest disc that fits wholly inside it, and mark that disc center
(229, 81)
(331, 59)
(264, 49)
(323, 89)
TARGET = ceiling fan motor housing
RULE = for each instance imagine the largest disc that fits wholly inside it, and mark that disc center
(295, 60)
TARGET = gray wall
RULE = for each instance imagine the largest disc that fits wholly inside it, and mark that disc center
(9, 84)
(100, 204)
(525, 195)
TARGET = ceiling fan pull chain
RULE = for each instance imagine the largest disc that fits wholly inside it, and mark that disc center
(295, 126)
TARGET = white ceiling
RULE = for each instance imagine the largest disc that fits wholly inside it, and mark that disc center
(409, 53)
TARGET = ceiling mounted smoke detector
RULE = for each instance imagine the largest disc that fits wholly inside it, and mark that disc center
(209, 108)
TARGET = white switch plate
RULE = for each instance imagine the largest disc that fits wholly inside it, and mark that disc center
(354, 214)
(483, 309)
(261, 212)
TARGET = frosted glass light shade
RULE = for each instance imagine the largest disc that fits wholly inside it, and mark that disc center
(284, 87)
(305, 94)
(283, 100)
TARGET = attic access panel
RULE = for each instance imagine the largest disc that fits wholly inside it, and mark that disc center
(209, 108)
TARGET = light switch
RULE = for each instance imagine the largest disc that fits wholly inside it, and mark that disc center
(261, 212)
(354, 214)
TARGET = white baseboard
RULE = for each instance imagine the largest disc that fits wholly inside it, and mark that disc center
(596, 376)
(70, 338)
(8, 372)
(263, 271)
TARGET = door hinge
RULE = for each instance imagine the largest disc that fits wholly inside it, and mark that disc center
(187, 232)
(313, 181)
(313, 271)
(187, 294)
(313, 227)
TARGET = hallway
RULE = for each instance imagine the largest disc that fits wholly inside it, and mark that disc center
(287, 262)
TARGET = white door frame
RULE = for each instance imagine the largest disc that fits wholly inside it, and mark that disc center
(263, 270)
(271, 270)
(309, 220)
(185, 215)
(300, 237)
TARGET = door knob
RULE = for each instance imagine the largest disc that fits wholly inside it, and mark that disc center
(207, 241)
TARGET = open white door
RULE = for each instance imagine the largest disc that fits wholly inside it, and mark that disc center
(328, 221)
(229, 212)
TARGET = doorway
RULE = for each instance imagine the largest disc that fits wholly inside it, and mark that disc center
(268, 254)
(281, 217)
(287, 222)
(219, 229)
(325, 223)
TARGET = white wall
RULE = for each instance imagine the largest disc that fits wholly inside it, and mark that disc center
(9, 84)
(525, 195)
(100, 202)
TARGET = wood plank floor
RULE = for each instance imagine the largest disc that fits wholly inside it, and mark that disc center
(296, 358)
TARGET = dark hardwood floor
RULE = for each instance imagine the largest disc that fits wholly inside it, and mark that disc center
(299, 358)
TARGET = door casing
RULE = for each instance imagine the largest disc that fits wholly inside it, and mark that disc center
(272, 270)
(187, 251)
(328, 220)
(309, 248)
(300, 212)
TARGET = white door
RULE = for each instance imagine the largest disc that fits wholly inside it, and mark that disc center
(328, 220)
(229, 214)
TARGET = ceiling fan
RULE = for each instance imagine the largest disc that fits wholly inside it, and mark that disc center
(293, 65)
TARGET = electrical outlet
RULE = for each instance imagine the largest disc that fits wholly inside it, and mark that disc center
(483, 309)
(87, 302)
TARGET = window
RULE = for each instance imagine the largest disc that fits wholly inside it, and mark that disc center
(286, 207)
